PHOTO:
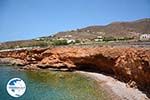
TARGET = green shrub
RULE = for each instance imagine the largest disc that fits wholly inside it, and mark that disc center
(77, 41)
(109, 39)
(115, 39)
(59, 42)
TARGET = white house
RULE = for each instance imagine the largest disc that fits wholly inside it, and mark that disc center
(99, 38)
(71, 41)
(145, 37)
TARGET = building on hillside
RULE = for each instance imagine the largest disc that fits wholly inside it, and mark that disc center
(99, 38)
(71, 41)
(145, 37)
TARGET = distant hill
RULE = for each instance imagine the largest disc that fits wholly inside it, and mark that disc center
(115, 29)
(127, 30)
(21, 44)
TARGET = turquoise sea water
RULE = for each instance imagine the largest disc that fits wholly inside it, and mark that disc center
(51, 85)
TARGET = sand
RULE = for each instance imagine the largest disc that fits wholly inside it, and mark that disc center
(117, 89)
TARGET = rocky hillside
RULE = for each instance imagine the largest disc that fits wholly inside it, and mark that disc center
(115, 29)
(127, 64)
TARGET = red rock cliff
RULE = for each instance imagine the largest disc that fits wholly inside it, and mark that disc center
(127, 64)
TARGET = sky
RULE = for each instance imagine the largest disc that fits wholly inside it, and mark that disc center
(27, 19)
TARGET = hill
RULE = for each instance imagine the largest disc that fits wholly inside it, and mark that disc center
(115, 29)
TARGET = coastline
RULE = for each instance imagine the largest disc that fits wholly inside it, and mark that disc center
(127, 64)
(116, 89)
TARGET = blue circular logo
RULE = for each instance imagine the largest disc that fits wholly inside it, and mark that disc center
(16, 87)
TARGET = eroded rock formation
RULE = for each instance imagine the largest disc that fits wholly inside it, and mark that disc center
(127, 64)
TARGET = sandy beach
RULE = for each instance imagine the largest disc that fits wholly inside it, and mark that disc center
(117, 89)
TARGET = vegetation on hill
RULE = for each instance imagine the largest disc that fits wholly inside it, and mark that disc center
(21, 44)
(117, 31)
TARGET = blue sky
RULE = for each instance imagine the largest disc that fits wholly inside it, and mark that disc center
(27, 19)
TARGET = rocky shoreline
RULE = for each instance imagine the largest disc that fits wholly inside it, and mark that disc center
(128, 64)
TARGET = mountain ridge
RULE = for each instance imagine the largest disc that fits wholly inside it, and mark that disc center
(118, 29)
